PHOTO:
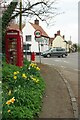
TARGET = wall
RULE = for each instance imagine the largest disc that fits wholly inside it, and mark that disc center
(29, 30)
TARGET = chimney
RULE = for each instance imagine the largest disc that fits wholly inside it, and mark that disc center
(55, 35)
(36, 22)
(63, 36)
(58, 32)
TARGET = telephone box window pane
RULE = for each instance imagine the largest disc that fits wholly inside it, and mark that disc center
(12, 45)
(28, 37)
(12, 39)
(13, 51)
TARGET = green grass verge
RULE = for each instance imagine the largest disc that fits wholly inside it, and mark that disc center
(23, 89)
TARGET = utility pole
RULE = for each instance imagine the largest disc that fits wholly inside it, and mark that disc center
(20, 19)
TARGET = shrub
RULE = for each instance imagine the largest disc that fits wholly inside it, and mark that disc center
(23, 88)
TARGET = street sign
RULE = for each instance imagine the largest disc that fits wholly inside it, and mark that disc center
(37, 33)
(39, 39)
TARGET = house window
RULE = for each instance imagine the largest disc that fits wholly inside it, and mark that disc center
(27, 47)
(28, 37)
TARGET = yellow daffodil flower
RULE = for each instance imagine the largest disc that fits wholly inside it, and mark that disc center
(37, 81)
(8, 102)
(15, 73)
(37, 68)
(24, 76)
(33, 65)
(15, 77)
(8, 111)
(12, 100)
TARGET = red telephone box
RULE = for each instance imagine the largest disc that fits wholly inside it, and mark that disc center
(14, 47)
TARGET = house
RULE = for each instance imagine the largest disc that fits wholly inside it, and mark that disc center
(29, 40)
(58, 41)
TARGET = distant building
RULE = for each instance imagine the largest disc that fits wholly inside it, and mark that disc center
(59, 41)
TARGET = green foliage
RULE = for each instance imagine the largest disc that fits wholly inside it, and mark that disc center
(25, 87)
(7, 14)
(6, 18)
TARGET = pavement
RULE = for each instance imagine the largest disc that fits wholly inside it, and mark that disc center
(56, 100)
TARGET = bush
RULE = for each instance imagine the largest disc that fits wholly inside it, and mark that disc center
(23, 88)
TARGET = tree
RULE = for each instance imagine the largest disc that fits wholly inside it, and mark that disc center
(70, 43)
(44, 9)
(75, 46)
(6, 19)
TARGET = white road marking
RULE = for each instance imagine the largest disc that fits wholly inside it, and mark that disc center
(63, 67)
(57, 60)
(65, 61)
(76, 70)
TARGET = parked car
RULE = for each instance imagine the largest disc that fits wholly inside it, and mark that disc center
(60, 52)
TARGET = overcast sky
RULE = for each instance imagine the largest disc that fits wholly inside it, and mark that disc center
(67, 23)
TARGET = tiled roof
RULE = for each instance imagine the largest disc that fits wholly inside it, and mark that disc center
(37, 27)
(14, 26)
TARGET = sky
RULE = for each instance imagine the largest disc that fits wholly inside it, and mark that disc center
(67, 23)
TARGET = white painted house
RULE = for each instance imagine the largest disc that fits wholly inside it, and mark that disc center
(30, 43)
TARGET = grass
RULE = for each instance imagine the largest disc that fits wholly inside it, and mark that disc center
(23, 89)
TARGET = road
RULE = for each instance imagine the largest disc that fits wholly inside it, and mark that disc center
(68, 67)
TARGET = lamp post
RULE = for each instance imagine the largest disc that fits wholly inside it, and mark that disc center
(66, 44)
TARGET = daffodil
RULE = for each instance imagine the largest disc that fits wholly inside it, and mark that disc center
(15, 77)
(8, 102)
(15, 73)
(37, 81)
(33, 65)
(37, 68)
(12, 100)
(8, 111)
(34, 79)
(24, 76)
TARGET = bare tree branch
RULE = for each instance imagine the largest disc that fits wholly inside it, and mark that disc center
(29, 8)
(45, 10)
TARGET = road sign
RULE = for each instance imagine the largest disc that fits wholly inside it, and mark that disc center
(39, 39)
(37, 33)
